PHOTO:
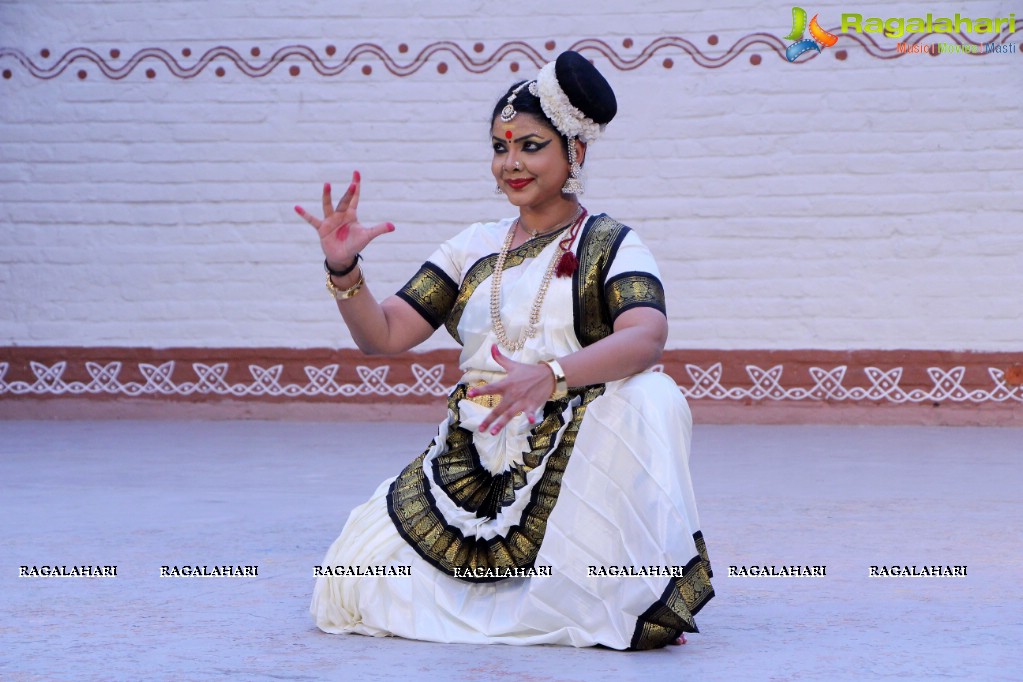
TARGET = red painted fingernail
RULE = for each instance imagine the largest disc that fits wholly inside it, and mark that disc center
(532, 419)
(298, 210)
(326, 186)
(493, 350)
(471, 393)
(357, 176)
(390, 227)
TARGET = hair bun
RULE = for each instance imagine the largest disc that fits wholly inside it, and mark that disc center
(585, 87)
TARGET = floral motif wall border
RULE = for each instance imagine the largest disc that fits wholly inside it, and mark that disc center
(193, 374)
(328, 60)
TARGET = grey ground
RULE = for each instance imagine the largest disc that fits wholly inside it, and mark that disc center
(144, 494)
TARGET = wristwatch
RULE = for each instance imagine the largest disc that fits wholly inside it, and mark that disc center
(560, 383)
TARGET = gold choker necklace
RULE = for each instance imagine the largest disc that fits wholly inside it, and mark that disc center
(533, 234)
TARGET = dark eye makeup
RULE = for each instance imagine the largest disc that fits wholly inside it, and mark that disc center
(531, 146)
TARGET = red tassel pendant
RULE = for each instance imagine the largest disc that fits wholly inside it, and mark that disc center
(567, 265)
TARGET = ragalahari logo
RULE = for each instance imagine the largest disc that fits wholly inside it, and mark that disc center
(820, 38)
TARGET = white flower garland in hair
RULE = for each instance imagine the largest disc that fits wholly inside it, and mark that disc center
(569, 121)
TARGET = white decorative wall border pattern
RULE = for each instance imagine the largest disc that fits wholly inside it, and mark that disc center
(180, 379)
(828, 385)
(212, 380)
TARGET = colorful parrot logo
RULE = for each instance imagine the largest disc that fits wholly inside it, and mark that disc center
(821, 38)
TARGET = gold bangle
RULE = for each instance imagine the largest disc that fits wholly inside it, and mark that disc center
(560, 382)
(344, 294)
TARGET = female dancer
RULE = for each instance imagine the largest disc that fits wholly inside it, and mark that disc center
(555, 504)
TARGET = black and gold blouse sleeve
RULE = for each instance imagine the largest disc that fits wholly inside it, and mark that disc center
(431, 292)
(616, 273)
(633, 289)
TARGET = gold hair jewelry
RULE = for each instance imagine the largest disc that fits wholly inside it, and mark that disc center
(508, 113)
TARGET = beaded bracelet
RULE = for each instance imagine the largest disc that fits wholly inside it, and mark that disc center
(346, 271)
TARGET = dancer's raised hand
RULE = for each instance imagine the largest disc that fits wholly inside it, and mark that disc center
(342, 236)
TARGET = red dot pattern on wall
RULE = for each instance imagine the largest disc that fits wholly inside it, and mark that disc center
(474, 58)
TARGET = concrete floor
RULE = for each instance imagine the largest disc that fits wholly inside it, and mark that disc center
(143, 494)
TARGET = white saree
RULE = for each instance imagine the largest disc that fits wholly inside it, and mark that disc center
(595, 502)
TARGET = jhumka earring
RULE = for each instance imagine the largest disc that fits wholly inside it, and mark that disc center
(574, 183)
(498, 190)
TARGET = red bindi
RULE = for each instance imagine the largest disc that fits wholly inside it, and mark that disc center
(507, 134)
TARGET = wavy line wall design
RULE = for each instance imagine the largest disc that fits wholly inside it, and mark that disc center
(442, 55)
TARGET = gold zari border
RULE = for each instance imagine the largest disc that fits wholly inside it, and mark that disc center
(484, 268)
(431, 292)
(632, 290)
(415, 515)
(672, 614)
(459, 472)
(598, 245)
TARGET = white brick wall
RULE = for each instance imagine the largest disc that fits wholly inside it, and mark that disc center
(857, 203)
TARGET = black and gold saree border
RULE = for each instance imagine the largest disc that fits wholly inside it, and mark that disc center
(459, 472)
(462, 477)
(413, 509)
(633, 289)
(431, 292)
(484, 268)
(673, 613)
(701, 549)
(598, 246)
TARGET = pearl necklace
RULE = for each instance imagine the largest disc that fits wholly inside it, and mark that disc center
(495, 292)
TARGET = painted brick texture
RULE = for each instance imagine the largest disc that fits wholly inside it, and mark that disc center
(856, 203)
